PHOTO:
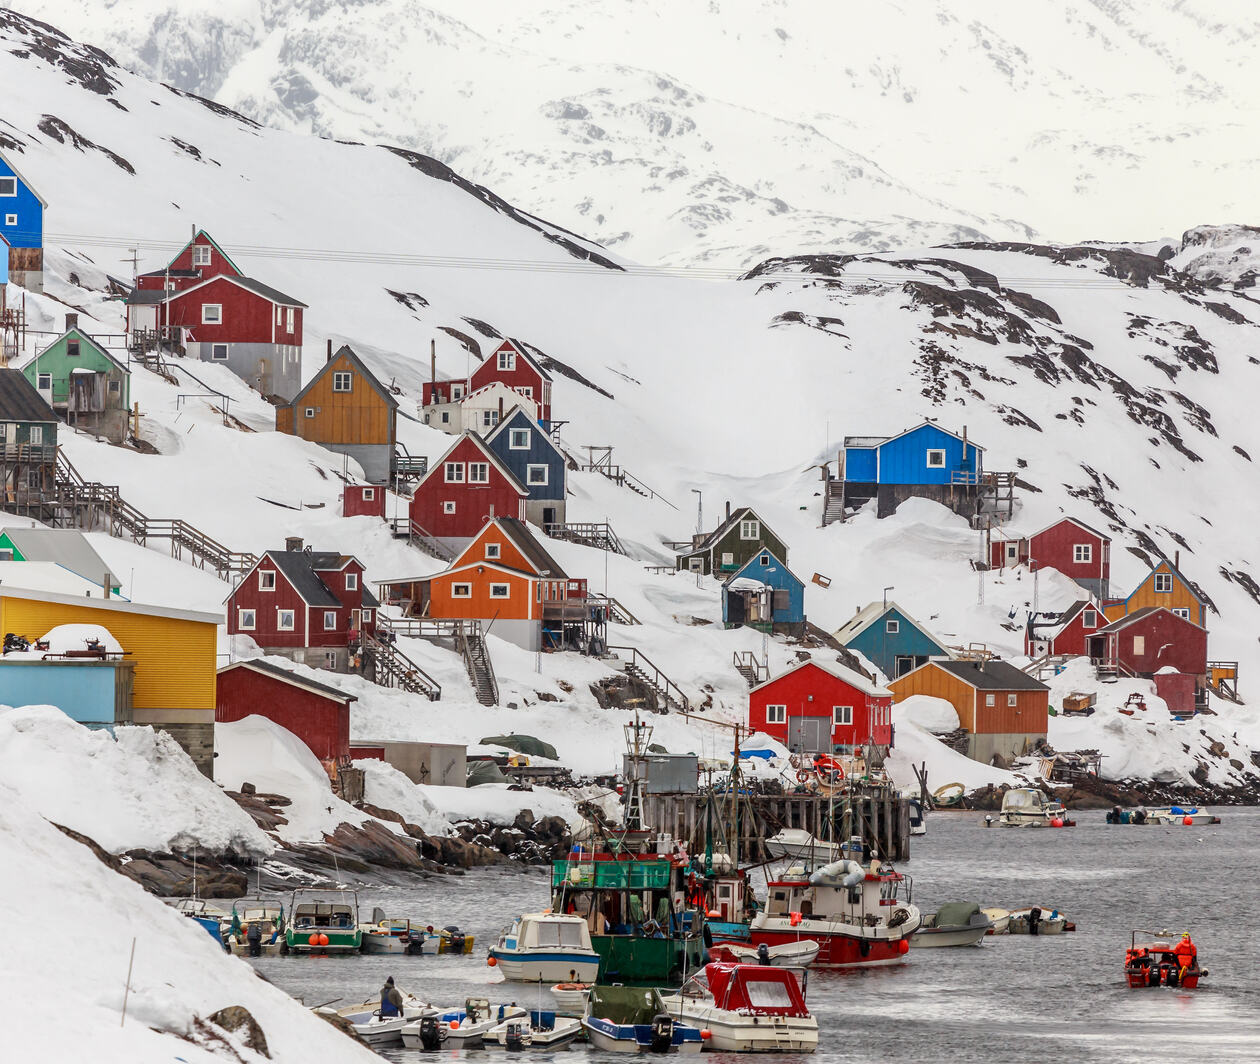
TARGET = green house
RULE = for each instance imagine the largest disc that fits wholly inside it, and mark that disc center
(732, 544)
(86, 385)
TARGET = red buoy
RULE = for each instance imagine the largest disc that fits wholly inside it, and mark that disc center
(313, 940)
(1188, 821)
(903, 946)
(323, 940)
(1056, 823)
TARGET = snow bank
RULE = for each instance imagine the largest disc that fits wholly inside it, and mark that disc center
(179, 973)
(136, 789)
(932, 714)
(915, 746)
(66, 637)
(495, 803)
(387, 788)
(258, 751)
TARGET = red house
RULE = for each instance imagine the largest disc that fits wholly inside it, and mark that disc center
(816, 708)
(202, 304)
(468, 486)
(1079, 552)
(510, 364)
(1148, 640)
(363, 500)
(304, 605)
(317, 714)
(1069, 634)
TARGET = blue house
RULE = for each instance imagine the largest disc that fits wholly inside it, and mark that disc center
(765, 594)
(529, 453)
(892, 640)
(22, 226)
(926, 461)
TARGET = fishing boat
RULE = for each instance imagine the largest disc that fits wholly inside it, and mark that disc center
(727, 900)
(747, 1008)
(571, 997)
(624, 1019)
(1172, 814)
(372, 1028)
(459, 1028)
(1027, 807)
(1160, 960)
(545, 947)
(797, 844)
(324, 921)
(540, 1029)
(854, 913)
(1037, 920)
(785, 955)
(999, 920)
(955, 923)
(268, 916)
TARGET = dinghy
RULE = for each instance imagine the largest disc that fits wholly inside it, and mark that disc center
(372, 1028)
(999, 920)
(953, 924)
(625, 1019)
(571, 997)
(785, 955)
(1037, 920)
(459, 1028)
(541, 1029)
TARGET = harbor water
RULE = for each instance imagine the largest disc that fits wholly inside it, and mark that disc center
(1013, 998)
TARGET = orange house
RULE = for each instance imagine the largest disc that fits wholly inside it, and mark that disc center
(1163, 586)
(1003, 709)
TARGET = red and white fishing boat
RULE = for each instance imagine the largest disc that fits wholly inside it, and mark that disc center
(856, 914)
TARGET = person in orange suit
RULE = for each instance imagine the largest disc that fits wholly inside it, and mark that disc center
(1186, 952)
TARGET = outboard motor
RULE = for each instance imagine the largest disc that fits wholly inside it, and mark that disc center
(430, 1033)
(455, 943)
(763, 953)
(662, 1033)
(1034, 921)
(415, 943)
(514, 1038)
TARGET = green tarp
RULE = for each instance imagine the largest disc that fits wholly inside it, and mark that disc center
(523, 744)
(626, 1004)
(480, 772)
(956, 913)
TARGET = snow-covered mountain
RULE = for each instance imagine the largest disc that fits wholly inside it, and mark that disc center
(737, 129)
(1119, 387)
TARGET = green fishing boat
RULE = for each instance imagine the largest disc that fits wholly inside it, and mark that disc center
(324, 921)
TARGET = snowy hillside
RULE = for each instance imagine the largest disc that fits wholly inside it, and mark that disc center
(1117, 387)
(731, 130)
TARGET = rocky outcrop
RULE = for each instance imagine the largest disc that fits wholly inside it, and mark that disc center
(239, 1021)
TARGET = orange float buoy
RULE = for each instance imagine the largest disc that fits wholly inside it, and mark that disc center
(323, 940)
(313, 940)
(1056, 823)
(903, 946)
(795, 919)
(491, 961)
(705, 1034)
(454, 1025)
(1188, 821)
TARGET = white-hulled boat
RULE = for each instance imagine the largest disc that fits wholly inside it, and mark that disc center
(999, 920)
(747, 1008)
(269, 917)
(1037, 920)
(376, 1030)
(541, 1029)
(798, 844)
(459, 1028)
(571, 996)
(630, 1019)
(785, 955)
(1027, 807)
(548, 948)
(953, 924)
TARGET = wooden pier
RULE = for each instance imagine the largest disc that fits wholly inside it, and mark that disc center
(875, 814)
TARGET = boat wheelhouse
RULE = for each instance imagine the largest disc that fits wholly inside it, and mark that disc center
(1024, 807)
(324, 921)
(546, 947)
(748, 1008)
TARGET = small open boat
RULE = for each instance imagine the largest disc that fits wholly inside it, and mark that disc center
(785, 955)
(627, 1019)
(747, 1008)
(270, 920)
(1027, 807)
(459, 1028)
(955, 923)
(1038, 920)
(541, 1029)
(1161, 960)
(571, 996)
(999, 920)
(799, 844)
(372, 1028)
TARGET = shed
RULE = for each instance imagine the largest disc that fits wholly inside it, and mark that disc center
(764, 594)
(436, 764)
(363, 500)
(316, 713)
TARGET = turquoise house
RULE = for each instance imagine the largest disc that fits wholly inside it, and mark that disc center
(889, 638)
(765, 594)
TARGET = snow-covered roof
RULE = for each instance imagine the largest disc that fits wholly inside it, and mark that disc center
(872, 612)
(66, 547)
(840, 672)
(49, 575)
(68, 589)
(289, 676)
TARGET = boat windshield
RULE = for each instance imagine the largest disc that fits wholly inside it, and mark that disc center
(1023, 800)
(560, 933)
(768, 995)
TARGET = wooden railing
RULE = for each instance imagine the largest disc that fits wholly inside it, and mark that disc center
(640, 667)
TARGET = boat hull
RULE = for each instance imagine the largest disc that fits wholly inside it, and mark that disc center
(636, 961)
(730, 1032)
(556, 967)
(837, 949)
(565, 1031)
(927, 937)
(634, 1039)
(797, 954)
(338, 941)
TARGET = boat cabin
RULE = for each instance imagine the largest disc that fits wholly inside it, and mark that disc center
(755, 989)
(324, 911)
(1028, 805)
(547, 930)
(869, 892)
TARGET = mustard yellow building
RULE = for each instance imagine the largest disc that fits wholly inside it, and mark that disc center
(1162, 586)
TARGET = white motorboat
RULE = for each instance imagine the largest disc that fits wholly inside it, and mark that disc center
(270, 919)
(540, 1029)
(459, 1028)
(546, 947)
(785, 955)
(1037, 920)
(953, 924)
(747, 1008)
(629, 1019)
(372, 1028)
(571, 996)
(798, 844)
(1027, 807)
(999, 920)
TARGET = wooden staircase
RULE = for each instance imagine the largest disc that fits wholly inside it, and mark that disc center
(750, 667)
(406, 528)
(598, 534)
(599, 460)
(833, 502)
(1049, 663)
(640, 668)
(390, 667)
(616, 612)
(1223, 680)
(476, 657)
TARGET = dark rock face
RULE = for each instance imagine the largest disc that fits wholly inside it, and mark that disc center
(237, 1020)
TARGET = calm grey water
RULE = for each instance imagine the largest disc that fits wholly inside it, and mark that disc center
(1014, 998)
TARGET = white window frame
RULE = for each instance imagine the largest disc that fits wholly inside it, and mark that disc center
(1012, 700)
(475, 468)
(695, 563)
(201, 254)
(330, 620)
(367, 617)
(280, 625)
(1181, 611)
(343, 381)
(448, 507)
(43, 382)
(1089, 618)
(841, 716)
(266, 580)
(115, 387)
(935, 458)
(214, 352)
(763, 559)
(776, 714)
(1139, 645)
(453, 473)
(749, 529)
(518, 434)
(531, 470)
(461, 591)
(10, 219)
(279, 314)
(494, 551)
(500, 591)
(489, 418)
(892, 627)
(1082, 553)
(241, 623)
(289, 318)
(457, 392)
(211, 313)
(310, 411)
(352, 581)
(1012, 552)
(526, 390)
(1166, 580)
(990, 699)
(507, 361)
(8, 182)
(728, 559)
(369, 494)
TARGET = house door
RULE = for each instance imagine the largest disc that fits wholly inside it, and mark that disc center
(902, 664)
(808, 735)
(549, 516)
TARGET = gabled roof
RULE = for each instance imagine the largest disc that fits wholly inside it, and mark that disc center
(346, 352)
(274, 295)
(67, 547)
(299, 570)
(1079, 524)
(752, 564)
(519, 348)
(289, 677)
(483, 563)
(714, 537)
(872, 612)
(1198, 596)
(840, 672)
(531, 424)
(215, 243)
(524, 540)
(992, 675)
(1139, 615)
(490, 456)
(140, 297)
(879, 441)
(19, 401)
(16, 173)
(82, 336)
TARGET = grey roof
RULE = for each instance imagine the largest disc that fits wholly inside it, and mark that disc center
(172, 273)
(19, 401)
(66, 547)
(716, 535)
(289, 676)
(156, 295)
(1135, 616)
(265, 290)
(872, 612)
(299, 571)
(992, 675)
(144, 296)
(864, 441)
(528, 545)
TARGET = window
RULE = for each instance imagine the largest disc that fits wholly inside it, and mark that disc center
(990, 700)
(518, 439)
(343, 381)
(330, 620)
(1163, 583)
(841, 714)
(892, 627)
(367, 616)
(728, 560)
(489, 418)
(448, 507)
(500, 591)
(454, 473)
(266, 580)
(201, 254)
(219, 352)
(1182, 611)
(10, 219)
(352, 581)
(936, 459)
(695, 564)
(776, 714)
(72, 348)
(457, 392)
(8, 186)
(1012, 552)
(369, 494)
(478, 472)
(288, 319)
(245, 620)
(115, 387)
(763, 559)
(330, 660)
(1012, 700)
(750, 530)
(493, 550)
(1139, 645)
(212, 314)
(535, 475)
(1082, 553)
(526, 391)
(446, 418)
(461, 591)
(284, 620)
(34, 479)
(310, 411)
(279, 315)
(37, 435)
(44, 382)
(507, 360)
(1089, 618)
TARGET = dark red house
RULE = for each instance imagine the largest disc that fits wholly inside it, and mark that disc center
(199, 259)
(468, 486)
(817, 708)
(305, 605)
(1068, 634)
(1079, 552)
(1148, 640)
(317, 714)
(363, 500)
(509, 363)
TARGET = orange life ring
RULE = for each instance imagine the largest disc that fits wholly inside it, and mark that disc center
(802, 776)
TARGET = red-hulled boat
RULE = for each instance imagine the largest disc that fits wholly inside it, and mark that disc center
(1162, 959)
(854, 913)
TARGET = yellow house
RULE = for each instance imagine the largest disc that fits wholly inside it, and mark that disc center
(1163, 586)
(172, 652)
